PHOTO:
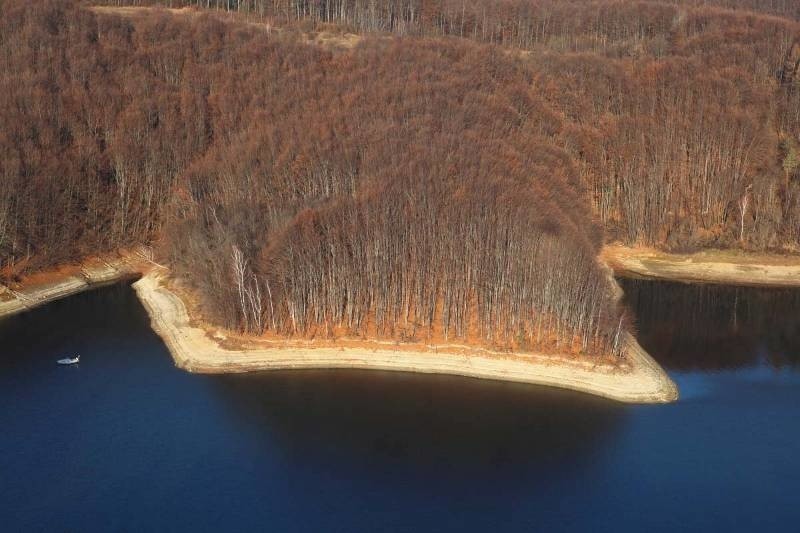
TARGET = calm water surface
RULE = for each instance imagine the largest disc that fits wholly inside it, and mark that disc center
(127, 442)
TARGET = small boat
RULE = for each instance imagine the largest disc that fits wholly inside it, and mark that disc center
(69, 360)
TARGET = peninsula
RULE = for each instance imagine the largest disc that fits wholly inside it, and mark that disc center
(199, 348)
(390, 189)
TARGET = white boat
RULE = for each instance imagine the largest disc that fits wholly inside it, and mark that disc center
(69, 360)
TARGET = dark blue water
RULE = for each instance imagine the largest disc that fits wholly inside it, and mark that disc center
(127, 442)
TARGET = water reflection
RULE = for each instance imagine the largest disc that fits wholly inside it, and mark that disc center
(711, 327)
(424, 421)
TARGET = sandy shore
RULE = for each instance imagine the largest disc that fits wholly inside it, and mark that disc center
(714, 266)
(50, 286)
(195, 350)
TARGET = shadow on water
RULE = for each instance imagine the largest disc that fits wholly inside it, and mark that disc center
(382, 451)
(105, 315)
(421, 421)
(349, 416)
(713, 327)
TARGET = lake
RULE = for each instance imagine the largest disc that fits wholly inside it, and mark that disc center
(125, 441)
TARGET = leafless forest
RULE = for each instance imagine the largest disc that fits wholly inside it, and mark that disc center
(451, 177)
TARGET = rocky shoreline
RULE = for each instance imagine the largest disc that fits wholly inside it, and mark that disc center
(193, 348)
(87, 275)
(196, 350)
(728, 267)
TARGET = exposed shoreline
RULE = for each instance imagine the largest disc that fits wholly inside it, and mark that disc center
(88, 275)
(194, 349)
(727, 267)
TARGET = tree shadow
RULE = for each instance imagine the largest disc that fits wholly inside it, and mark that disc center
(715, 327)
(370, 419)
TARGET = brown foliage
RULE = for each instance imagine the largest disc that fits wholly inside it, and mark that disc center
(673, 109)
(418, 186)
(369, 202)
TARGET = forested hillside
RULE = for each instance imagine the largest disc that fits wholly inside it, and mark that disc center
(408, 189)
(683, 117)
(452, 176)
